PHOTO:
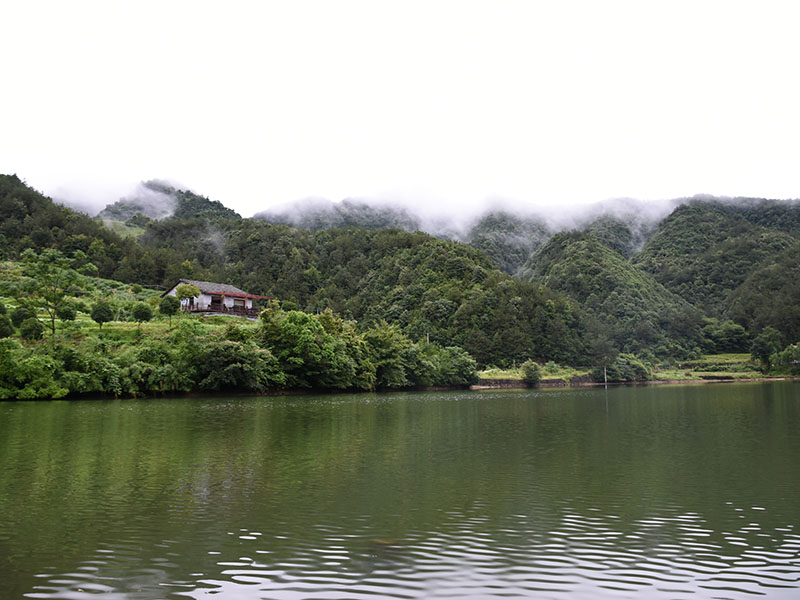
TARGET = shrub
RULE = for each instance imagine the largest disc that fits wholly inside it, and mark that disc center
(19, 314)
(142, 312)
(31, 329)
(102, 313)
(626, 367)
(531, 372)
(6, 328)
(169, 305)
(67, 311)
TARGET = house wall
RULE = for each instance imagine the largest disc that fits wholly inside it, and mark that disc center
(203, 301)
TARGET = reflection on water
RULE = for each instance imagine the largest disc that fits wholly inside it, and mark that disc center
(661, 492)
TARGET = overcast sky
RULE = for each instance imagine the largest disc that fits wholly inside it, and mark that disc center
(435, 102)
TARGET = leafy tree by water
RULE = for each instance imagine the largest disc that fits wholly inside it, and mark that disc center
(531, 372)
(765, 345)
(625, 368)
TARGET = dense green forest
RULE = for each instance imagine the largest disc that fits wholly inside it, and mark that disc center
(512, 290)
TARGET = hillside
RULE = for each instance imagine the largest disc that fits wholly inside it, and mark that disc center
(157, 200)
(638, 314)
(508, 239)
(704, 250)
(577, 297)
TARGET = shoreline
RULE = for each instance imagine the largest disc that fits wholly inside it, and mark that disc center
(518, 384)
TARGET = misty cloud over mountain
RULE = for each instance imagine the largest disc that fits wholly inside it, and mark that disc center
(153, 199)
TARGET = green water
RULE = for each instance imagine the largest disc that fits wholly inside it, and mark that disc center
(655, 492)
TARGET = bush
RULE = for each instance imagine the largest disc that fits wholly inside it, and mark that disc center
(19, 314)
(2, 308)
(169, 305)
(142, 312)
(31, 329)
(531, 372)
(102, 313)
(6, 328)
(625, 368)
(67, 311)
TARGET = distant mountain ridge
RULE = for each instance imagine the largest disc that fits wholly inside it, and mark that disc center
(664, 281)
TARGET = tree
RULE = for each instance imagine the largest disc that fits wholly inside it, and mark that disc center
(169, 305)
(102, 313)
(68, 311)
(141, 313)
(52, 279)
(19, 314)
(767, 343)
(6, 328)
(31, 329)
(186, 291)
(531, 372)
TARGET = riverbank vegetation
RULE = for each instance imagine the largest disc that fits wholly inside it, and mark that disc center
(363, 301)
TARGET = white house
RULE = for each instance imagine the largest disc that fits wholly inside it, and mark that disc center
(217, 298)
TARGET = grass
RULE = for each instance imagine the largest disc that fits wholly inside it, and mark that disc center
(710, 366)
(550, 371)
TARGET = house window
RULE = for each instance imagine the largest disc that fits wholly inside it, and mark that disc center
(238, 303)
(216, 300)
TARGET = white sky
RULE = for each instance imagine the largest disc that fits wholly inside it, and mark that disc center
(435, 102)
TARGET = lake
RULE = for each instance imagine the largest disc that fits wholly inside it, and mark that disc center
(632, 492)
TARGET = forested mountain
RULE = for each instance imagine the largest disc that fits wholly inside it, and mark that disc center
(617, 284)
(770, 296)
(637, 313)
(158, 200)
(508, 239)
(704, 250)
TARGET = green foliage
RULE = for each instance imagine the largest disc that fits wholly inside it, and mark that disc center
(704, 250)
(625, 368)
(27, 375)
(6, 328)
(766, 343)
(169, 305)
(231, 365)
(787, 359)
(632, 312)
(67, 311)
(21, 313)
(507, 239)
(726, 336)
(52, 280)
(531, 372)
(141, 312)
(102, 313)
(2, 308)
(769, 296)
(31, 329)
(186, 291)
